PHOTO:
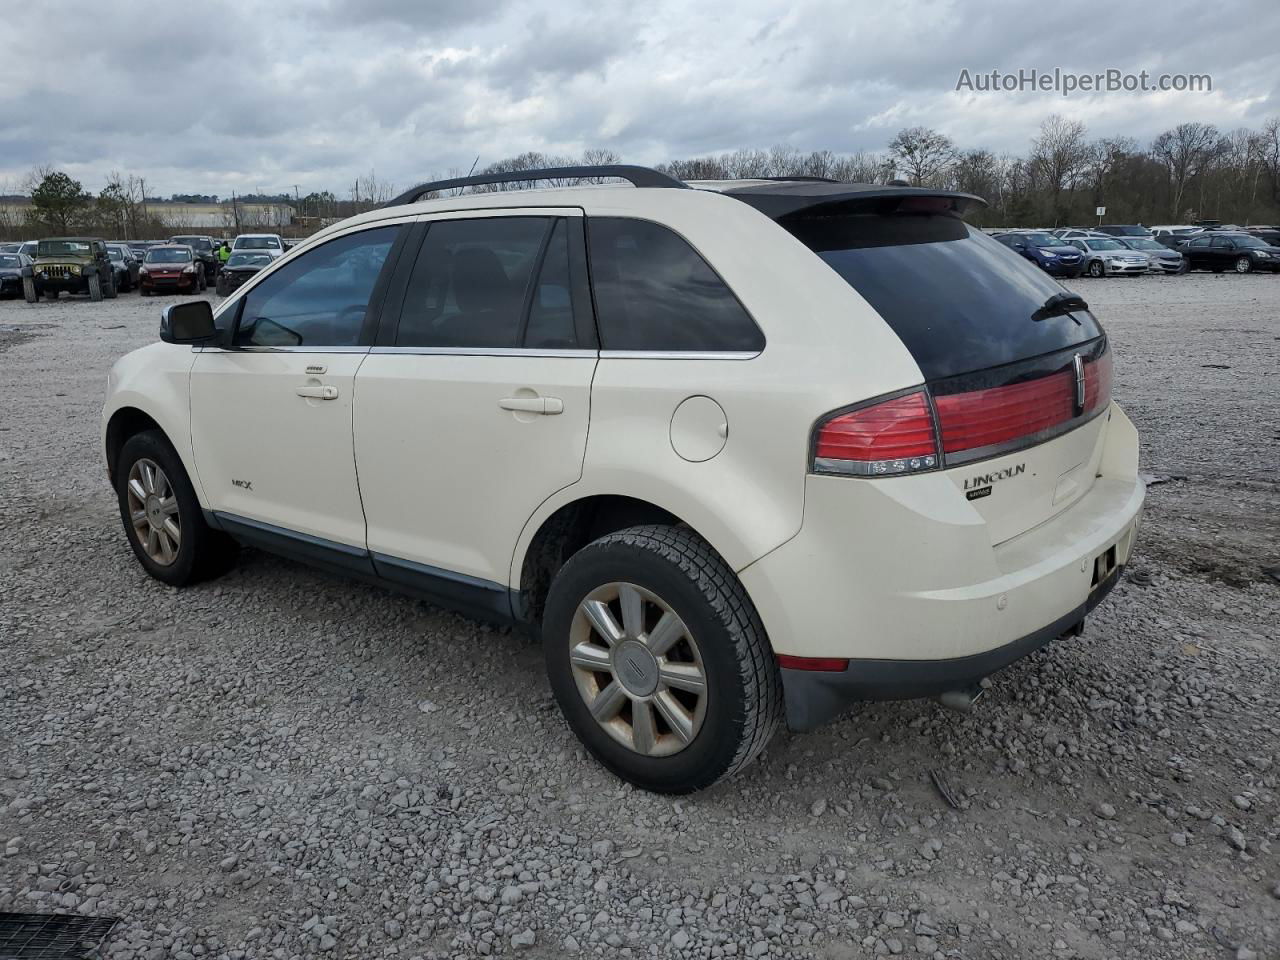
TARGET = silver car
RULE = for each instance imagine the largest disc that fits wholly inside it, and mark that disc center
(1107, 256)
(1163, 260)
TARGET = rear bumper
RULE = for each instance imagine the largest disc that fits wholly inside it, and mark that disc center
(815, 697)
(900, 577)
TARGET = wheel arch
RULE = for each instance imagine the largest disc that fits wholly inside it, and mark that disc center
(546, 545)
(124, 423)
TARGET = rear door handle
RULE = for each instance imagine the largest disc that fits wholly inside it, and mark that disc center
(325, 392)
(544, 405)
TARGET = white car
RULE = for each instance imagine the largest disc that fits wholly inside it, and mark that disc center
(743, 452)
(1107, 256)
(270, 243)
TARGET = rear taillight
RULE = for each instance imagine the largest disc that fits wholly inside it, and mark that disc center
(901, 435)
(882, 439)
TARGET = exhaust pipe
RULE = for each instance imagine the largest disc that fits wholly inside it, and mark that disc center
(962, 701)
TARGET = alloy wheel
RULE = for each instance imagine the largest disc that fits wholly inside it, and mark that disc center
(153, 511)
(1243, 265)
(638, 669)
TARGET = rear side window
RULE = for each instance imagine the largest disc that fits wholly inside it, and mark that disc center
(471, 282)
(953, 295)
(655, 292)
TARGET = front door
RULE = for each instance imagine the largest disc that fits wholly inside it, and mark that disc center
(271, 416)
(474, 407)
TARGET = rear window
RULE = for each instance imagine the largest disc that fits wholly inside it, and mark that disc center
(958, 299)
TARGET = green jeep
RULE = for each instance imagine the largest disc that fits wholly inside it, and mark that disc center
(69, 265)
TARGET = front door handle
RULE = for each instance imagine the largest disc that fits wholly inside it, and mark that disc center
(325, 392)
(544, 405)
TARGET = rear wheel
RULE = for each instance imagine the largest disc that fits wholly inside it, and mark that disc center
(1096, 269)
(659, 661)
(162, 517)
(1243, 265)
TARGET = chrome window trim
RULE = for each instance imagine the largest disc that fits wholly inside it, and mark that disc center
(679, 354)
(265, 349)
(484, 352)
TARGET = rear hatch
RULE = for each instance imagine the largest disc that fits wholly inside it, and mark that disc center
(1017, 370)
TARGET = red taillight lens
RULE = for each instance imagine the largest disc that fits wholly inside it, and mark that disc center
(897, 436)
(891, 437)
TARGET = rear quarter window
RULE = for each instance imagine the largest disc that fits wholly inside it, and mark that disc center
(654, 292)
(959, 300)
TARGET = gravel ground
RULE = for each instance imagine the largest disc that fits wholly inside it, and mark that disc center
(278, 764)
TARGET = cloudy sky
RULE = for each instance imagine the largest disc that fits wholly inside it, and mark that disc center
(267, 95)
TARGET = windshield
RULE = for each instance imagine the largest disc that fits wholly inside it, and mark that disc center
(1041, 239)
(62, 248)
(249, 260)
(199, 243)
(9, 260)
(1144, 243)
(1128, 231)
(954, 296)
(257, 243)
(1106, 244)
(1250, 243)
(168, 255)
(116, 253)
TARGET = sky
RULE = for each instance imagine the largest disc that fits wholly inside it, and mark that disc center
(266, 96)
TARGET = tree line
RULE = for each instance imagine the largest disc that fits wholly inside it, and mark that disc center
(1189, 172)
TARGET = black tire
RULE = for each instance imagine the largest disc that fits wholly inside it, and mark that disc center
(219, 287)
(1243, 265)
(29, 291)
(110, 291)
(1097, 269)
(1183, 267)
(743, 687)
(202, 551)
(51, 294)
(144, 292)
(95, 288)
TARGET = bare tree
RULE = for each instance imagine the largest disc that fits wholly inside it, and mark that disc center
(1059, 154)
(1186, 151)
(923, 154)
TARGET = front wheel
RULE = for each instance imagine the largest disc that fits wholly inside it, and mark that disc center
(162, 517)
(110, 290)
(1243, 265)
(659, 660)
(1096, 269)
(95, 288)
(1183, 267)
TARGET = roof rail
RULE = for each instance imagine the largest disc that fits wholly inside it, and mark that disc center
(639, 176)
(805, 179)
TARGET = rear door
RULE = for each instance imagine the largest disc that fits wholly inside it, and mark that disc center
(1018, 389)
(473, 406)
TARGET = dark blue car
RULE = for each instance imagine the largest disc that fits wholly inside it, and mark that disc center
(1056, 257)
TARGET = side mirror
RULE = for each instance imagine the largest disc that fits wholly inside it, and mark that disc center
(190, 322)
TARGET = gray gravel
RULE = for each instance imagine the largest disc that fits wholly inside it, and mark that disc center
(279, 764)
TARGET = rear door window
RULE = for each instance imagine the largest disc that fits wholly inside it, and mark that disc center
(957, 300)
(654, 292)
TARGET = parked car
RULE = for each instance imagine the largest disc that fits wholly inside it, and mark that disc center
(1124, 230)
(1241, 252)
(171, 266)
(842, 445)
(1054, 256)
(1270, 235)
(1076, 233)
(139, 249)
(206, 252)
(10, 247)
(28, 248)
(69, 265)
(11, 265)
(124, 264)
(239, 268)
(1163, 260)
(1105, 256)
(1174, 235)
(271, 243)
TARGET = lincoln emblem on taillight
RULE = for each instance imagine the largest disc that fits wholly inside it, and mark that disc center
(1078, 362)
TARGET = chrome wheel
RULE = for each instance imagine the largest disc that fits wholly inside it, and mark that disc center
(153, 511)
(1244, 265)
(638, 669)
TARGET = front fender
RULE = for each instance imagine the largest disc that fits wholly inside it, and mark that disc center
(156, 381)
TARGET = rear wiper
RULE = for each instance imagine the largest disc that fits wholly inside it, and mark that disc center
(1059, 304)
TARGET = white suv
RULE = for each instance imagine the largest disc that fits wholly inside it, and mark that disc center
(743, 451)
